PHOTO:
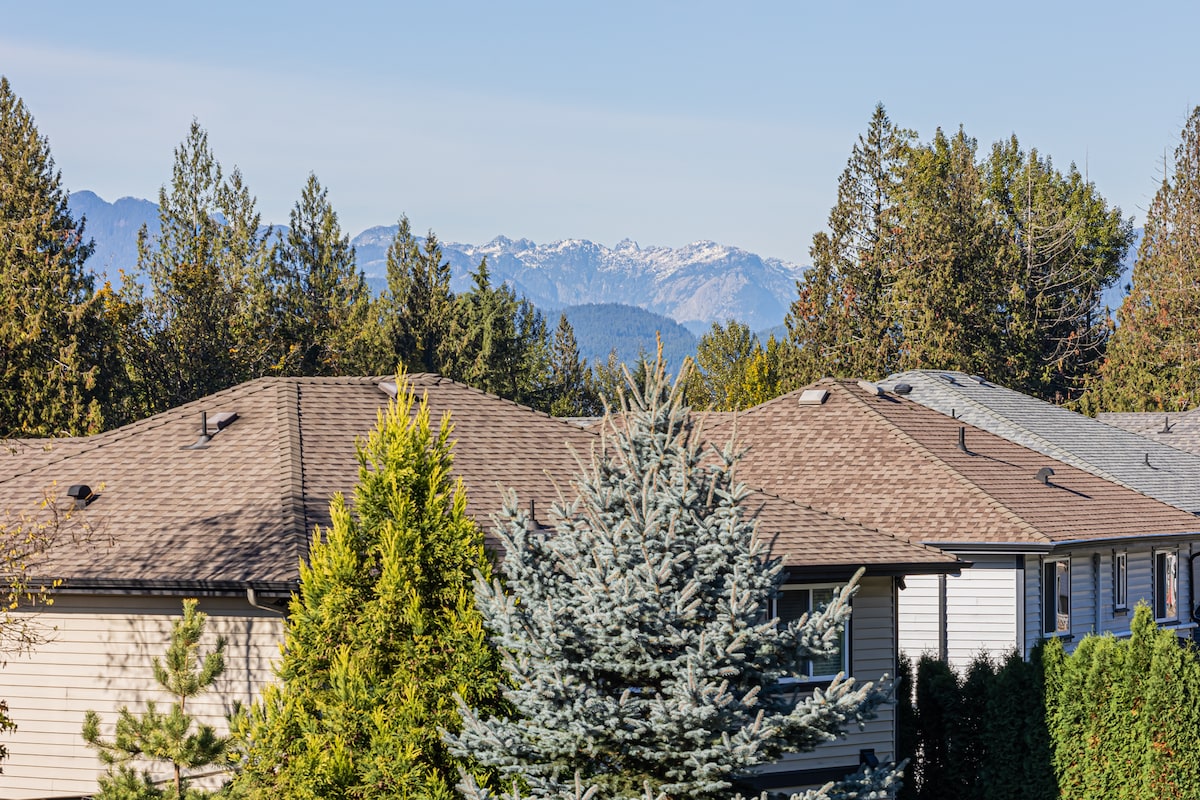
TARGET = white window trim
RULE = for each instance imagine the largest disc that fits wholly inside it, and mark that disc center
(1120, 581)
(1050, 610)
(1171, 553)
(795, 587)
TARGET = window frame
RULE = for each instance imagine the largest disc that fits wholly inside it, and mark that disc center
(809, 678)
(1056, 577)
(1166, 571)
(1120, 567)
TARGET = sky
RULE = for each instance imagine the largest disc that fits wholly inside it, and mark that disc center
(662, 122)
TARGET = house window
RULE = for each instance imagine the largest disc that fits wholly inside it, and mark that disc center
(794, 602)
(1120, 581)
(1056, 597)
(1166, 585)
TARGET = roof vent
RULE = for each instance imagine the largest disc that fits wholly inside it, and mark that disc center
(1166, 428)
(902, 388)
(813, 397)
(948, 379)
(1043, 475)
(82, 494)
(962, 439)
(870, 388)
(980, 380)
(1146, 461)
(210, 428)
(389, 388)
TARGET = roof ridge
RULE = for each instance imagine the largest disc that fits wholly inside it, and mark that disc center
(105, 438)
(940, 462)
(292, 488)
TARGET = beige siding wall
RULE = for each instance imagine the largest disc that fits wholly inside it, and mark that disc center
(920, 627)
(872, 653)
(100, 657)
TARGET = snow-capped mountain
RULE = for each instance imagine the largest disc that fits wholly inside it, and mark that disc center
(695, 285)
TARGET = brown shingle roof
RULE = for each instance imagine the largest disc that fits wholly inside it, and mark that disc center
(241, 510)
(892, 464)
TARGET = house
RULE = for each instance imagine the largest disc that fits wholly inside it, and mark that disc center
(1056, 550)
(217, 499)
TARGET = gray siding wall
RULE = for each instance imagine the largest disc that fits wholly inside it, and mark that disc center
(872, 652)
(1092, 598)
(100, 658)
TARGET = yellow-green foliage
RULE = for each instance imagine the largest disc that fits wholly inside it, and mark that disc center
(383, 633)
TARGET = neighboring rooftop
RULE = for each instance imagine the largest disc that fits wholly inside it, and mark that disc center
(1180, 429)
(1143, 464)
(889, 463)
(240, 510)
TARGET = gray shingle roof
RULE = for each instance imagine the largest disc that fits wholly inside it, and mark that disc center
(241, 510)
(1180, 430)
(1144, 465)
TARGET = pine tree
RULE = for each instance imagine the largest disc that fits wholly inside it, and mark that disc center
(636, 633)
(51, 377)
(489, 337)
(171, 736)
(1153, 358)
(207, 270)
(382, 635)
(842, 324)
(571, 389)
(323, 309)
(418, 305)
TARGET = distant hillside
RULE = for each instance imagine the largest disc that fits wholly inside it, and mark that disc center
(114, 227)
(603, 327)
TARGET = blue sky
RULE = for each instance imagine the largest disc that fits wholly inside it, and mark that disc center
(662, 122)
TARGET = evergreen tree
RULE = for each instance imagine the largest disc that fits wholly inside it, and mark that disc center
(324, 304)
(842, 323)
(723, 357)
(418, 305)
(382, 635)
(1062, 247)
(51, 319)
(170, 737)
(202, 323)
(489, 338)
(1153, 359)
(948, 288)
(571, 390)
(636, 633)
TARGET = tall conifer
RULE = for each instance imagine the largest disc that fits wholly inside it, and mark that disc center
(51, 319)
(1153, 359)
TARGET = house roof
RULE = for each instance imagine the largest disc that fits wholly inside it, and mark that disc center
(240, 510)
(892, 464)
(1152, 468)
(1180, 429)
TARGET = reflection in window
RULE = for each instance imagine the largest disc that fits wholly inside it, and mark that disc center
(1166, 585)
(1056, 597)
(1120, 581)
(794, 602)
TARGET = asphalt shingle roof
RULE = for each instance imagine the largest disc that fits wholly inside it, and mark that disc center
(1180, 429)
(240, 511)
(892, 464)
(1148, 466)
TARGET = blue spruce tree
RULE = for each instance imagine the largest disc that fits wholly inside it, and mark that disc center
(643, 658)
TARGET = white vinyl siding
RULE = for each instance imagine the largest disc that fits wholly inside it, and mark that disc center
(101, 658)
(981, 612)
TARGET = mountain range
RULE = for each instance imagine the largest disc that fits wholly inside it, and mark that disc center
(695, 285)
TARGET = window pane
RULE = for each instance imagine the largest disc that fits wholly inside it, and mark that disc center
(1120, 580)
(1063, 591)
(791, 605)
(1166, 585)
(832, 664)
